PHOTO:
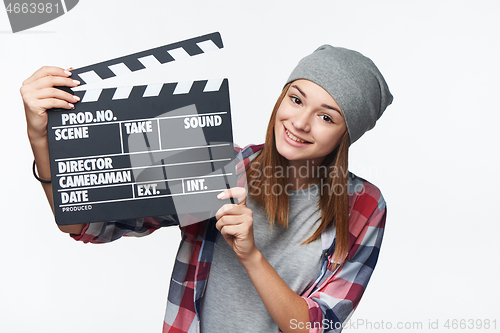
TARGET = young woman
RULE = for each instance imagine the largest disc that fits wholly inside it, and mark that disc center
(298, 249)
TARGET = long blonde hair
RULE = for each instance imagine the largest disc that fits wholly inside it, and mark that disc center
(334, 206)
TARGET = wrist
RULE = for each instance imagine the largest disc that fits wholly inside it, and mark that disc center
(252, 260)
(38, 140)
(40, 148)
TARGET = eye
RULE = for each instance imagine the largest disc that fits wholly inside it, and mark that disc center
(296, 100)
(327, 118)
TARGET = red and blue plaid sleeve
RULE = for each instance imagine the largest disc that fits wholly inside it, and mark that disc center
(105, 232)
(336, 294)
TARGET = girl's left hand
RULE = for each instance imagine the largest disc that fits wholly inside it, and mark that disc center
(235, 222)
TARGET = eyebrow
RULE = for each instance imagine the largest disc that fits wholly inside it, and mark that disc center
(326, 106)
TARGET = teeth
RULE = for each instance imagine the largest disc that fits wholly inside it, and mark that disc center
(293, 137)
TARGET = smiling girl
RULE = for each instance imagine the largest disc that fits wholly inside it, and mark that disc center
(297, 252)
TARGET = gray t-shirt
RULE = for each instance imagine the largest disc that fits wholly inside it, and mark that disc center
(231, 303)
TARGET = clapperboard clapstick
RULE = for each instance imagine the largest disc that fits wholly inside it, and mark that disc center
(138, 151)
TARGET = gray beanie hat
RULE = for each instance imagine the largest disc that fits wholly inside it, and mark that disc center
(353, 81)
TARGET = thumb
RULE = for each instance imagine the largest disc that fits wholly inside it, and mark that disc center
(238, 193)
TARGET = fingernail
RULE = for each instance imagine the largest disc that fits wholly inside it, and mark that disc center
(67, 72)
(71, 105)
(76, 82)
(76, 98)
(221, 195)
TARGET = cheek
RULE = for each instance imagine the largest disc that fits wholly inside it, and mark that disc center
(284, 111)
(280, 117)
(330, 140)
(279, 114)
(278, 125)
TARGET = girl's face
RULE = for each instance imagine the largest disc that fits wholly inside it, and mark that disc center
(309, 123)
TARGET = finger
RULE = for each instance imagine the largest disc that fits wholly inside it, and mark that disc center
(234, 230)
(39, 101)
(55, 103)
(239, 232)
(50, 81)
(224, 210)
(230, 231)
(45, 71)
(39, 107)
(238, 193)
(232, 209)
(53, 93)
(231, 220)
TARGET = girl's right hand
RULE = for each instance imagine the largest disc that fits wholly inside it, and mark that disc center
(39, 94)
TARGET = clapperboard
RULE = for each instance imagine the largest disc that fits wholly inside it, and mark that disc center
(138, 151)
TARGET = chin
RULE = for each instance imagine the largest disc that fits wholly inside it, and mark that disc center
(283, 154)
(287, 153)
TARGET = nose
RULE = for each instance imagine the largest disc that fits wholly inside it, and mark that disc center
(301, 121)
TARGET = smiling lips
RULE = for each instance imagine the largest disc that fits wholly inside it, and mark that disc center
(293, 137)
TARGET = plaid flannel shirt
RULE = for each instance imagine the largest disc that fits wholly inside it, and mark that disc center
(332, 297)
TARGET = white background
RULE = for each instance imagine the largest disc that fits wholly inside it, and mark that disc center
(434, 153)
